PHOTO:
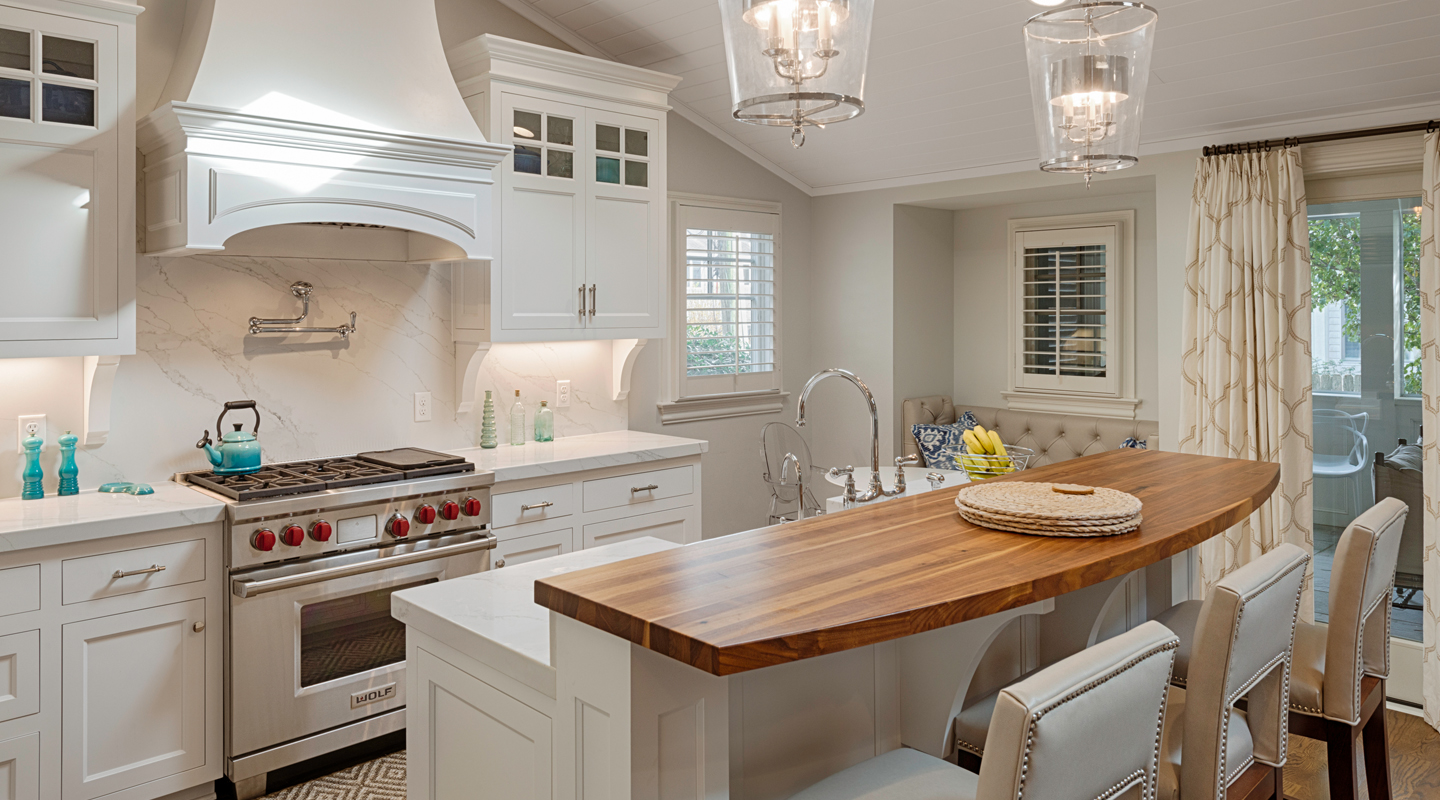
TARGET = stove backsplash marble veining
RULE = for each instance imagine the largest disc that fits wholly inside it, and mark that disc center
(317, 395)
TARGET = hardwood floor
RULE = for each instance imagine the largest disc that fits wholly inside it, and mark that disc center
(1414, 762)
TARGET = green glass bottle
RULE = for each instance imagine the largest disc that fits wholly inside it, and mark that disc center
(544, 423)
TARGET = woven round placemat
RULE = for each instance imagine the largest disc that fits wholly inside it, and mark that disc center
(1038, 501)
(1025, 522)
(1075, 532)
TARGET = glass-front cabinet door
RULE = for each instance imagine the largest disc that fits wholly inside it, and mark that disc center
(543, 215)
(59, 111)
(625, 248)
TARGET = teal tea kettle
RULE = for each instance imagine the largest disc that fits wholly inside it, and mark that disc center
(239, 452)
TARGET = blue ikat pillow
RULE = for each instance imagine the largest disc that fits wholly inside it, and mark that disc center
(1132, 443)
(933, 439)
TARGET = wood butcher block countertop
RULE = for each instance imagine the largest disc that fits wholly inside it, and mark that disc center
(893, 569)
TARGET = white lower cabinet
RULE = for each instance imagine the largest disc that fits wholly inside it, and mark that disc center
(479, 741)
(20, 768)
(679, 525)
(19, 675)
(134, 696)
(511, 552)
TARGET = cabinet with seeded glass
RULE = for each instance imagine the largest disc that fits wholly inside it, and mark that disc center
(67, 177)
(580, 206)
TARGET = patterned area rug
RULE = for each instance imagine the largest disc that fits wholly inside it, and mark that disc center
(381, 779)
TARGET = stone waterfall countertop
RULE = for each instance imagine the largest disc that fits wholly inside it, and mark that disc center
(492, 616)
(27, 524)
(579, 453)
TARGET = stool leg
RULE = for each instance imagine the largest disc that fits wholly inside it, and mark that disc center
(1340, 752)
(1377, 755)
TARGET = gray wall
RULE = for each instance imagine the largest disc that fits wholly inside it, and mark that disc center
(736, 498)
(924, 300)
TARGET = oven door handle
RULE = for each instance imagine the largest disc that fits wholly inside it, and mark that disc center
(244, 587)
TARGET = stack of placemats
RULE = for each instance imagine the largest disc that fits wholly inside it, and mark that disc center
(1049, 509)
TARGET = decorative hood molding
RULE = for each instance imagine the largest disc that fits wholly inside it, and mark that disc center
(339, 111)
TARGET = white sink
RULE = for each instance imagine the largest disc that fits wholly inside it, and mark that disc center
(915, 483)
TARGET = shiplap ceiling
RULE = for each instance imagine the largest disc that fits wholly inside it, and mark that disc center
(947, 92)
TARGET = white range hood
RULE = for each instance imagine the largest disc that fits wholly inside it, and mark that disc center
(303, 111)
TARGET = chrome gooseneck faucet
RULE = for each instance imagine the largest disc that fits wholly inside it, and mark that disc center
(877, 489)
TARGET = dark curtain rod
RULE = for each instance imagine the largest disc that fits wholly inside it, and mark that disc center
(1292, 141)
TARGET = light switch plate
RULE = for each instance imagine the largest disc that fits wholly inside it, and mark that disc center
(27, 421)
(422, 407)
(562, 394)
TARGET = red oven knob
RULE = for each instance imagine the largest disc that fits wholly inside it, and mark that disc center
(320, 531)
(425, 514)
(471, 507)
(293, 535)
(398, 526)
(263, 540)
(450, 510)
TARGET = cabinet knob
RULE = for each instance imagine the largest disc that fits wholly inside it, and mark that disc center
(499, 562)
(198, 627)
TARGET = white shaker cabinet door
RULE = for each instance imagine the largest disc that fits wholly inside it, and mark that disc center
(60, 105)
(134, 698)
(625, 248)
(542, 261)
(20, 768)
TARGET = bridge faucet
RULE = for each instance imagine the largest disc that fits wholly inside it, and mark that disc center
(877, 489)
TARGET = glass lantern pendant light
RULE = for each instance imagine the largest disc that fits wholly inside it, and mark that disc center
(1089, 63)
(795, 63)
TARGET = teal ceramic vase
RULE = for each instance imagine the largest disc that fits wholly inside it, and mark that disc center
(69, 473)
(33, 475)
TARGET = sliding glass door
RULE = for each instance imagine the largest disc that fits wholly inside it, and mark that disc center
(1365, 348)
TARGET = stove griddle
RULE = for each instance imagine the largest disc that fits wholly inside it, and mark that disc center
(300, 477)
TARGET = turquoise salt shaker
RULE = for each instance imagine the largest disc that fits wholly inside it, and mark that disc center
(32, 477)
(69, 473)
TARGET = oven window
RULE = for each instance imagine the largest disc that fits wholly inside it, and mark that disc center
(350, 635)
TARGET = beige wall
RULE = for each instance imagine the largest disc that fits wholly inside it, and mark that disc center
(736, 498)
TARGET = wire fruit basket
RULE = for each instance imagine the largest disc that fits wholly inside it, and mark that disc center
(981, 466)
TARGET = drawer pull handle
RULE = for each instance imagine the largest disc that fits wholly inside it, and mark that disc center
(531, 506)
(119, 573)
(638, 489)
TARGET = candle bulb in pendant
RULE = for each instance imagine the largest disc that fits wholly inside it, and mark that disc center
(824, 14)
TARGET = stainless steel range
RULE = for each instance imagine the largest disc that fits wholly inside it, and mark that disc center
(315, 549)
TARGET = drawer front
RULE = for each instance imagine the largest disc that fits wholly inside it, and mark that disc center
(19, 589)
(20, 768)
(677, 525)
(19, 677)
(129, 571)
(638, 489)
(532, 505)
(512, 552)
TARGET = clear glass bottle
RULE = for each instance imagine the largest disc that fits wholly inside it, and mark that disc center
(517, 421)
(488, 439)
(544, 423)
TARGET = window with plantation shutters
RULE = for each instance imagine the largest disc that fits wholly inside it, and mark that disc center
(726, 309)
(1071, 341)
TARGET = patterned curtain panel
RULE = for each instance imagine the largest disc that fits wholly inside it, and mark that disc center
(1430, 419)
(1246, 339)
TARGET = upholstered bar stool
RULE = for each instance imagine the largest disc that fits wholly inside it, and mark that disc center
(1337, 687)
(1043, 735)
(1241, 650)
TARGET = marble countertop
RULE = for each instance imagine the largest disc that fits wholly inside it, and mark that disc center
(578, 453)
(492, 616)
(26, 524)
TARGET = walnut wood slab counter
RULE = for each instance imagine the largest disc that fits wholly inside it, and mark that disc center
(902, 567)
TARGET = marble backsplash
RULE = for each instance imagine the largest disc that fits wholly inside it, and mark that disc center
(317, 395)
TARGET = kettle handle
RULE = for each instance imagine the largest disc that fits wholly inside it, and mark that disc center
(231, 406)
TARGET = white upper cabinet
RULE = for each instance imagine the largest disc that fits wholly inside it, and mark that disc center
(580, 205)
(67, 178)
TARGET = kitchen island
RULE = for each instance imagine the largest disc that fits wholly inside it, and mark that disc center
(752, 665)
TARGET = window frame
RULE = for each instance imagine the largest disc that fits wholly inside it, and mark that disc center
(684, 404)
(1116, 397)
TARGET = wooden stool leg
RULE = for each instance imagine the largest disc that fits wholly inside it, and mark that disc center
(1340, 752)
(1377, 756)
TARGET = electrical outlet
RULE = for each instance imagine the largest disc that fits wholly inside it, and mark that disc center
(422, 406)
(562, 394)
(30, 425)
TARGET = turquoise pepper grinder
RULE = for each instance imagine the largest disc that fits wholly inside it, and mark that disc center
(69, 473)
(32, 490)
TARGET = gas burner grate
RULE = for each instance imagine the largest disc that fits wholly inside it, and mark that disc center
(299, 477)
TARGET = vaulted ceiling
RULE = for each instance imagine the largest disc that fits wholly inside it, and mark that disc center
(946, 91)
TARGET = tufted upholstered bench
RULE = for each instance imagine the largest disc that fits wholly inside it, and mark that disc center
(1053, 437)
